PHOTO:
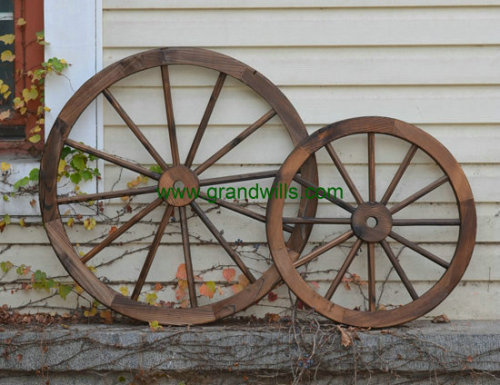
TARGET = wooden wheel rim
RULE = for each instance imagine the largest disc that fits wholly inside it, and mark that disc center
(60, 132)
(464, 246)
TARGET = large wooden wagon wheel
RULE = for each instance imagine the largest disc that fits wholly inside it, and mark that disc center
(179, 172)
(385, 228)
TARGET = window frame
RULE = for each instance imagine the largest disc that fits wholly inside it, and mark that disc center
(73, 31)
(28, 56)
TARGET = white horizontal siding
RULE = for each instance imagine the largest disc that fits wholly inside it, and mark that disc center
(348, 66)
(295, 27)
(320, 105)
(308, 4)
(471, 144)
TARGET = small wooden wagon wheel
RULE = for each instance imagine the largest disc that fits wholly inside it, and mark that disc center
(386, 227)
(178, 172)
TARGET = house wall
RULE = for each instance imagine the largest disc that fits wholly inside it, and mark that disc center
(431, 63)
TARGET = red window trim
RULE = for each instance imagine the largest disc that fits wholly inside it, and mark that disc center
(29, 55)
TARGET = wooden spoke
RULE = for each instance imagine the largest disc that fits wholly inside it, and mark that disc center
(107, 195)
(419, 194)
(325, 221)
(216, 233)
(339, 202)
(322, 249)
(233, 143)
(371, 167)
(371, 277)
(127, 225)
(204, 121)
(426, 222)
(238, 178)
(241, 210)
(152, 252)
(399, 174)
(113, 159)
(419, 249)
(172, 134)
(137, 132)
(338, 278)
(399, 269)
(187, 257)
(343, 172)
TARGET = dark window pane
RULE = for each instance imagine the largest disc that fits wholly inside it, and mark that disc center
(7, 6)
(12, 132)
(7, 68)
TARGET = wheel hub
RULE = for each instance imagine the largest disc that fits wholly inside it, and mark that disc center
(178, 186)
(372, 222)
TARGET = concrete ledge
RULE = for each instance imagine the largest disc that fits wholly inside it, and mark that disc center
(419, 348)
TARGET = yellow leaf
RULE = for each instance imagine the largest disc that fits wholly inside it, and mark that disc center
(30, 94)
(36, 129)
(23, 110)
(155, 326)
(151, 298)
(92, 269)
(22, 222)
(183, 284)
(4, 88)
(18, 103)
(124, 290)
(35, 138)
(21, 22)
(8, 38)
(133, 183)
(90, 313)
(61, 167)
(7, 55)
(89, 223)
(78, 289)
(70, 222)
(4, 166)
(6, 95)
(46, 108)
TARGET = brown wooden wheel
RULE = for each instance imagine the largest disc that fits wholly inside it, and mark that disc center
(383, 235)
(174, 172)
